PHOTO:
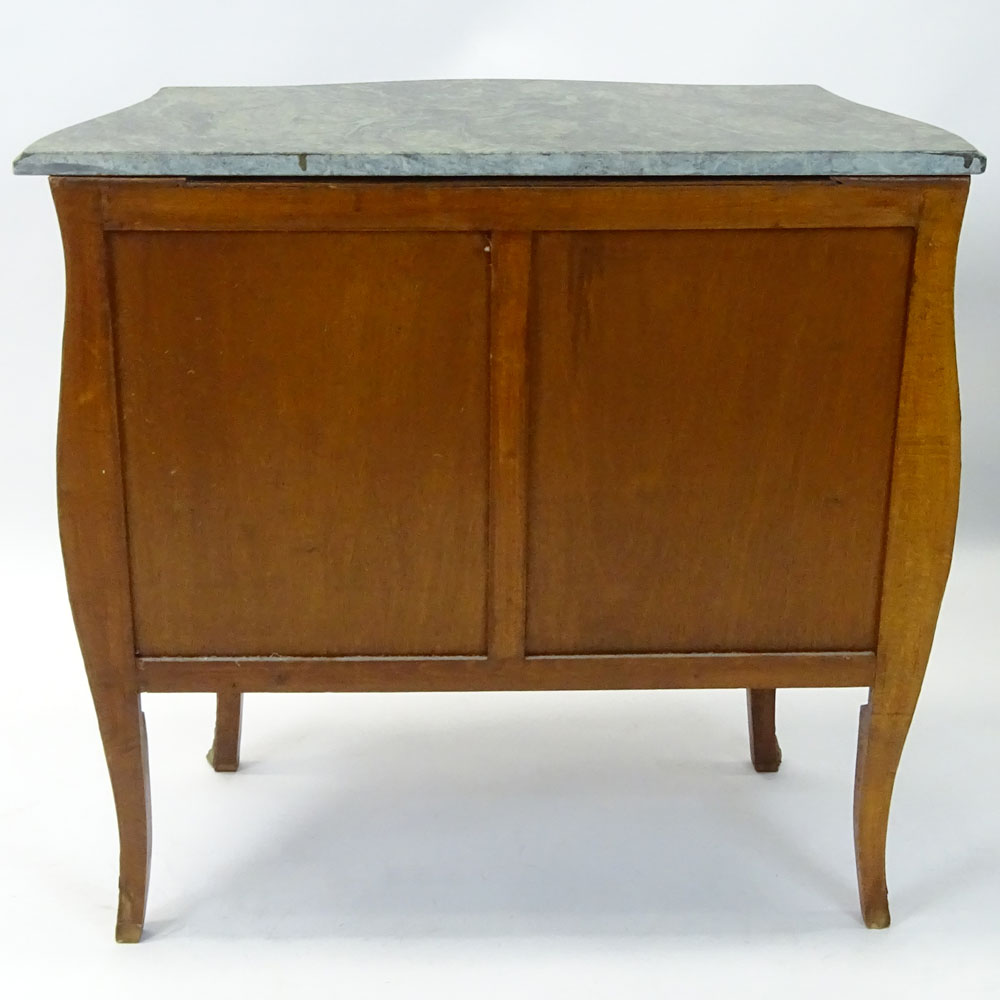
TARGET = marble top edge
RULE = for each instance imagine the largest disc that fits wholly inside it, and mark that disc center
(469, 128)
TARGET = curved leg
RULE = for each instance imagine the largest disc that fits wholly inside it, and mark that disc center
(765, 753)
(923, 504)
(225, 752)
(123, 730)
(880, 744)
(93, 535)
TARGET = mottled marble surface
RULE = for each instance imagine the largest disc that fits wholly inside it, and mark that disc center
(499, 127)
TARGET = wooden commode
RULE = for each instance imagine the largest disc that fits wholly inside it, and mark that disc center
(483, 385)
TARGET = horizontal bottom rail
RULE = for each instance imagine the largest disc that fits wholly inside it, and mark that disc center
(532, 673)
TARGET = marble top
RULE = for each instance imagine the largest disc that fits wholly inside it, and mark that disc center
(453, 128)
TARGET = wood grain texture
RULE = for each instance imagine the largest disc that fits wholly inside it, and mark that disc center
(94, 544)
(765, 752)
(177, 204)
(922, 513)
(710, 434)
(511, 283)
(305, 441)
(314, 437)
(536, 673)
(224, 754)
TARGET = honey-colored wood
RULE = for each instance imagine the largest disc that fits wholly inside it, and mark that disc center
(92, 532)
(305, 424)
(765, 752)
(534, 673)
(356, 436)
(531, 205)
(710, 433)
(224, 754)
(511, 262)
(922, 512)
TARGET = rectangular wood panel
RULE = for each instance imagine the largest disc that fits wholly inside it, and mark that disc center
(511, 204)
(305, 437)
(711, 418)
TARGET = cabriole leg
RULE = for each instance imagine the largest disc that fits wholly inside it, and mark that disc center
(123, 731)
(880, 744)
(923, 505)
(93, 535)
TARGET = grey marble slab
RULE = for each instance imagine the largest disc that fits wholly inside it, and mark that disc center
(451, 128)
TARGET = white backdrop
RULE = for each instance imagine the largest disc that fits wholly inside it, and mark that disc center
(591, 845)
